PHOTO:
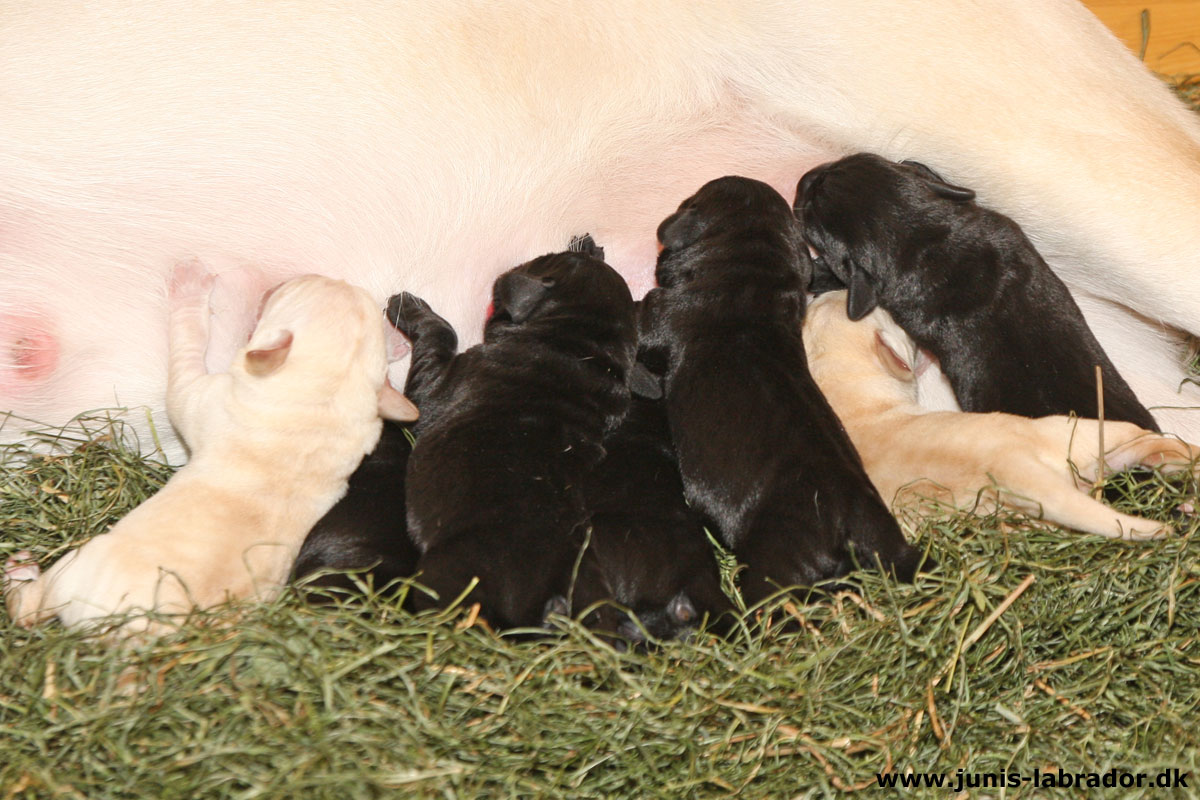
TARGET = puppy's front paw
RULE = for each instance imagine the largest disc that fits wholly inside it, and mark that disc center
(190, 281)
(19, 568)
(405, 311)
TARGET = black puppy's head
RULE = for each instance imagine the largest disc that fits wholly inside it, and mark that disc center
(559, 286)
(862, 214)
(729, 211)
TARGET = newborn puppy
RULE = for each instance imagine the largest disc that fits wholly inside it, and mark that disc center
(649, 549)
(510, 430)
(761, 453)
(367, 529)
(964, 282)
(1043, 467)
(273, 443)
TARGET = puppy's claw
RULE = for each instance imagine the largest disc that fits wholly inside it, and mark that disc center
(1143, 533)
(556, 605)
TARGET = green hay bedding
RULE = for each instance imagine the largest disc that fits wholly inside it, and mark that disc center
(1094, 666)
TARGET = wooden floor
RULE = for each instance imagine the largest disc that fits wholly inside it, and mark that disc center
(1173, 47)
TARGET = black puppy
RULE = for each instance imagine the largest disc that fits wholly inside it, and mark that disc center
(367, 528)
(762, 454)
(964, 282)
(509, 431)
(649, 547)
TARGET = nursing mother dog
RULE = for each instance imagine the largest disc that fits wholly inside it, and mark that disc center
(417, 146)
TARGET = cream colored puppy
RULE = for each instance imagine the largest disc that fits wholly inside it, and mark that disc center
(273, 443)
(1043, 467)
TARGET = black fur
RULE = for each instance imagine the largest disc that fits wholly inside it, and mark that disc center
(510, 429)
(649, 547)
(964, 282)
(366, 529)
(762, 454)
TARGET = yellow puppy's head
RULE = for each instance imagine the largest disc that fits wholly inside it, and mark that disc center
(318, 337)
(875, 339)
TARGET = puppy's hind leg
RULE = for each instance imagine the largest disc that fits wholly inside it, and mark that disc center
(1061, 488)
(434, 342)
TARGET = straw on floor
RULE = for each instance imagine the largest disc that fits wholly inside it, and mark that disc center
(1025, 648)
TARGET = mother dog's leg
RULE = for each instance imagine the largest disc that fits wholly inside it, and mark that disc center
(1032, 102)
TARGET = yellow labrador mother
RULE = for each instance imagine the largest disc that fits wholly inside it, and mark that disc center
(404, 144)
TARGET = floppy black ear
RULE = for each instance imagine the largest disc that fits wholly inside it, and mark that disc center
(941, 187)
(679, 230)
(645, 383)
(522, 294)
(862, 300)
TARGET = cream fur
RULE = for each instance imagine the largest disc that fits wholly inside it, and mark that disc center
(270, 454)
(428, 146)
(1043, 467)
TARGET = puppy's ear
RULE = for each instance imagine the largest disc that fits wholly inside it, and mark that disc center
(644, 383)
(395, 406)
(862, 299)
(892, 356)
(679, 230)
(940, 186)
(263, 361)
(522, 294)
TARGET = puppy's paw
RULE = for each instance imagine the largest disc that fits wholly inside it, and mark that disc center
(190, 281)
(19, 568)
(1144, 530)
(405, 311)
(682, 609)
(632, 631)
(555, 606)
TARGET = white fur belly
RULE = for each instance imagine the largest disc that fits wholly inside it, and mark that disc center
(286, 176)
(427, 148)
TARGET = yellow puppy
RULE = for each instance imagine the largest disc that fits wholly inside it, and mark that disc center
(1042, 467)
(273, 443)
